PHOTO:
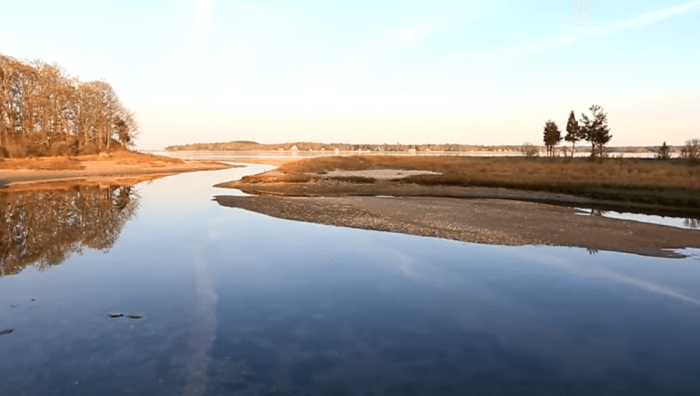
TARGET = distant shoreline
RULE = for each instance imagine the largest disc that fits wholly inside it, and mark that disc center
(438, 149)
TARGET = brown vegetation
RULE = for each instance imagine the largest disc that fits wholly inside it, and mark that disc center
(93, 167)
(122, 157)
(47, 163)
(46, 112)
(671, 183)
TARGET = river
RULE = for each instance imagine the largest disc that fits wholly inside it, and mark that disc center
(229, 302)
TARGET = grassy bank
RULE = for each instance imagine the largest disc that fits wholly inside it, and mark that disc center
(666, 183)
(122, 157)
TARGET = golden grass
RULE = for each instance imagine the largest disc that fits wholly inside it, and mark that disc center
(634, 180)
(124, 157)
(76, 163)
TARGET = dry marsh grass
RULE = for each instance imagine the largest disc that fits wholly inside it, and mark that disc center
(121, 157)
(132, 158)
(673, 183)
(43, 163)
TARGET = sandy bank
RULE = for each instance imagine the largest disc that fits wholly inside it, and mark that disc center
(490, 221)
(105, 169)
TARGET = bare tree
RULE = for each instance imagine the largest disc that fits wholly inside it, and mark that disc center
(43, 110)
(691, 151)
(529, 150)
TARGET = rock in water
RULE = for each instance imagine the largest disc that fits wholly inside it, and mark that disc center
(6, 331)
(134, 316)
(115, 315)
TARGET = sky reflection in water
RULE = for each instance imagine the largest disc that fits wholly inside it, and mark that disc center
(239, 303)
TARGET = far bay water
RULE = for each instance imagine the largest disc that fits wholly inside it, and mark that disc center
(229, 302)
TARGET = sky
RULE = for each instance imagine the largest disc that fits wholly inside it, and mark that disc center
(380, 71)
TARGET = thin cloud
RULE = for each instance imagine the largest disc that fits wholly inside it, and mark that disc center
(202, 22)
(595, 31)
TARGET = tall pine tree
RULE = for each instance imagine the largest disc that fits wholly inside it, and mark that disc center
(552, 136)
(573, 132)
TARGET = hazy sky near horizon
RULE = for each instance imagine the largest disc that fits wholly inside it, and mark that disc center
(487, 72)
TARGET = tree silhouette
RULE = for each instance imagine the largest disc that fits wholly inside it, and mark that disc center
(573, 132)
(552, 136)
(664, 152)
(691, 151)
(595, 130)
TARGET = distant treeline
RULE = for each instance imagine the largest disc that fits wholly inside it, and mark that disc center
(306, 146)
(45, 111)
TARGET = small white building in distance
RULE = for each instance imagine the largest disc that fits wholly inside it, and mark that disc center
(294, 148)
(411, 151)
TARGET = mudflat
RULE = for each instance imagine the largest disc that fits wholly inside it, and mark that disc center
(489, 221)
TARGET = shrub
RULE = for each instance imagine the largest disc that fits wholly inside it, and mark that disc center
(529, 150)
(664, 152)
(691, 151)
(67, 147)
(15, 149)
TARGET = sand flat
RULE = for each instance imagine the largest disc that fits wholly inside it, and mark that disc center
(487, 221)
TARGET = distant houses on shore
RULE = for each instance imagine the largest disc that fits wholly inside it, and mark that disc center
(397, 148)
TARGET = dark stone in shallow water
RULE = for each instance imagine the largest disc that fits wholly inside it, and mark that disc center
(134, 316)
(6, 331)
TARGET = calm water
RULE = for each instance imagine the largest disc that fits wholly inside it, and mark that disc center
(678, 222)
(236, 303)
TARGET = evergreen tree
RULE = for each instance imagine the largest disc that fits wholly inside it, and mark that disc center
(664, 152)
(573, 132)
(595, 130)
(552, 136)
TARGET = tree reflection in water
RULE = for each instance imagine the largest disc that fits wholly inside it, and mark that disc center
(691, 223)
(43, 227)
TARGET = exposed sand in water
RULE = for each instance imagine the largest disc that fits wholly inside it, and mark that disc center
(490, 221)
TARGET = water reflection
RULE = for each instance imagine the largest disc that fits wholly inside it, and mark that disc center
(244, 304)
(44, 226)
(691, 223)
(679, 222)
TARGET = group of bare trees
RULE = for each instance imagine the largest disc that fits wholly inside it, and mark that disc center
(593, 129)
(45, 111)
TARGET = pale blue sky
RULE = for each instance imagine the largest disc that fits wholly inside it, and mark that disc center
(488, 72)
